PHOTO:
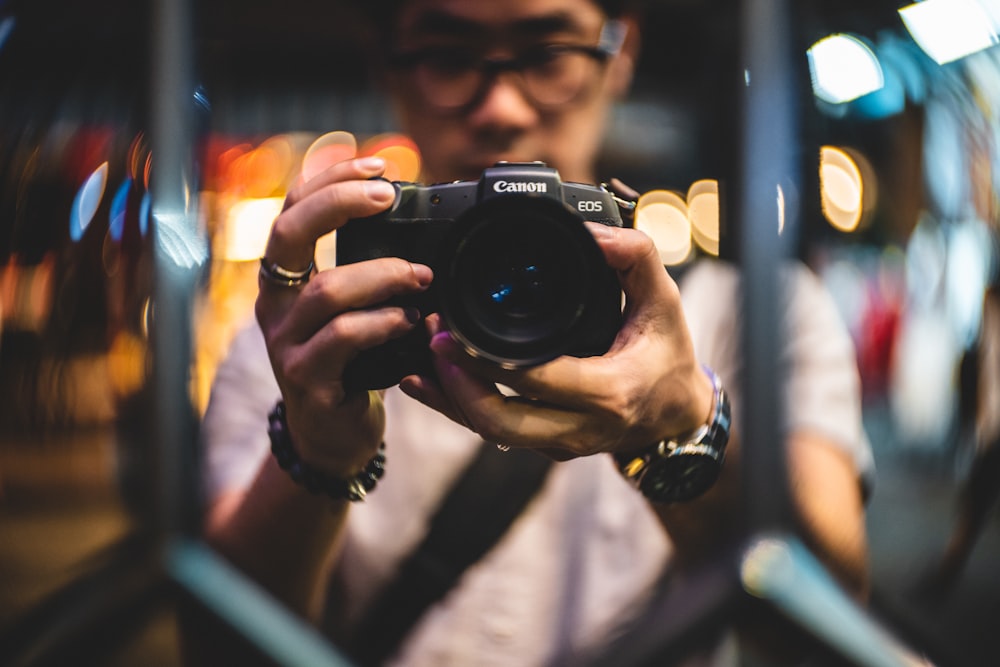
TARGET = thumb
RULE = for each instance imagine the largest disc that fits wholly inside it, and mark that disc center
(634, 256)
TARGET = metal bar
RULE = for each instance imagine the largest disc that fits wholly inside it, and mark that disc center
(181, 252)
(247, 608)
(179, 257)
(768, 132)
(781, 571)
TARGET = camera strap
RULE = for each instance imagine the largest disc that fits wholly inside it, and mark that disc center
(477, 511)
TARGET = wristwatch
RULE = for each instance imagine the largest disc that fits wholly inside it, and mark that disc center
(674, 470)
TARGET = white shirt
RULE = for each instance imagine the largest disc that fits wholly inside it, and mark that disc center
(583, 557)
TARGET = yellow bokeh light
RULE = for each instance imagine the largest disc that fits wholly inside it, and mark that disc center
(326, 251)
(841, 188)
(703, 212)
(402, 163)
(244, 231)
(326, 151)
(402, 156)
(663, 216)
(263, 171)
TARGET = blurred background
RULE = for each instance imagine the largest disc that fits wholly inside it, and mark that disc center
(900, 110)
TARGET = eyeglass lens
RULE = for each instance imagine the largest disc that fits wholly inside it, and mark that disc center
(548, 77)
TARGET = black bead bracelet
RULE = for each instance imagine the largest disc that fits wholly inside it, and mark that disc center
(354, 489)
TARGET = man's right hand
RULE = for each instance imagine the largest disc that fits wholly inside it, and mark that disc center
(312, 330)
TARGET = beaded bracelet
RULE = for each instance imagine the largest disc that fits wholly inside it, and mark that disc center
(354, 489)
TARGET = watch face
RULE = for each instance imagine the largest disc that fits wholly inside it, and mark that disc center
(680, 478)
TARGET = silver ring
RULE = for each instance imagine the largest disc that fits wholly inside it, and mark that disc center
(282, 277)
(503, 448)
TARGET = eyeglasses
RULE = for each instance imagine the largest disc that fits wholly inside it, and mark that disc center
(549, 75)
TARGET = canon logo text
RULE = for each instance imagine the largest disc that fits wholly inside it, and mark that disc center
(519, 186)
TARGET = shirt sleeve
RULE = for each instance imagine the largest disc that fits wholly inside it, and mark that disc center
(823, 393)
(823, 387)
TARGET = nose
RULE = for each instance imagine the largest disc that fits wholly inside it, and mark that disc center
(503, 106)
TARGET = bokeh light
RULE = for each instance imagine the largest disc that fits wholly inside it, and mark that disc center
(401, 154)
(663, 216)
(841, 188)
(87, 201)
(950, 29)
(843, 68)
(326, 151)
(264, 171)
(244, 231)
(703, 212)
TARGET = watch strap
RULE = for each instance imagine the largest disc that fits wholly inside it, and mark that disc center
(678, 470)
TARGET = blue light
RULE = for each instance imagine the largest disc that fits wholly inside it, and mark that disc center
(116, 226)
(86, 202)
(501, 294)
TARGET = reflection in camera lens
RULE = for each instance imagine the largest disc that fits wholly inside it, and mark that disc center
(514, 284)
(521, 293)
(520, 278)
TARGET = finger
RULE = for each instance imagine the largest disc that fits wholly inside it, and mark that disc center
(634, 256)
(427, 391)
(323, 356)
(572, 382)
(654, 325)
(318, 208)
(355, 169)
(514, 420)
(352, 287)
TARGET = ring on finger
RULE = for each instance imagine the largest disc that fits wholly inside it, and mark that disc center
(279, 276)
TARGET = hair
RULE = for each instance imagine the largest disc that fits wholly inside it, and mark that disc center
(379, 15)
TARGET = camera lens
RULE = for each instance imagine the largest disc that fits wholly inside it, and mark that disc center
(520, 276)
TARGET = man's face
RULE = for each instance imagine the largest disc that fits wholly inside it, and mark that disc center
(503, 119)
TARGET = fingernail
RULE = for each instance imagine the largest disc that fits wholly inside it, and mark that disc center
(372, 163)
(380, 191)
(412, 314)
(423, 274)
(433, 324)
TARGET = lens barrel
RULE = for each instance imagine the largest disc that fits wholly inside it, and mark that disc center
(519, 278)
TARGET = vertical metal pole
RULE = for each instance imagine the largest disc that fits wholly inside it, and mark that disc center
(181, 251)
(779, 569)
(180, 255)
(768, 133)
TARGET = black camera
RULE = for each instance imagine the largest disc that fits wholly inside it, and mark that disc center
(518, 278)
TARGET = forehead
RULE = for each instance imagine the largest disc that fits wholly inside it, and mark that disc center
(489, 16)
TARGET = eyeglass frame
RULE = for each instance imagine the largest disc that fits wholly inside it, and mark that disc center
(609, 45)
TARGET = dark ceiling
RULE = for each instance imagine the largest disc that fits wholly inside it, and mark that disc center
(301, 36)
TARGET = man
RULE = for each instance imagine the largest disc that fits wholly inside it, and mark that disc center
(475, 83)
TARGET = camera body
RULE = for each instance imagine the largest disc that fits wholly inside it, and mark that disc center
(518, 278)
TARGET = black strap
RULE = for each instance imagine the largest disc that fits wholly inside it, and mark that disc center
(486, 499)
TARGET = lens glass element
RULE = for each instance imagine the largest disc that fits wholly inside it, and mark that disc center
(519, 278)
